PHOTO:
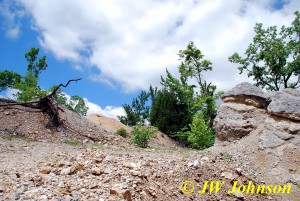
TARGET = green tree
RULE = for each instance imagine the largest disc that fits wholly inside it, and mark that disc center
(138, 112)
(172, 107)
(74, 103)
(8, 79)
(192, 66)
(27, 85)
(273, 58)
(201, 135)
(168, 114)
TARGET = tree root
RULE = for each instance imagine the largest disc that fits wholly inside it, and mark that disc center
(46, 104)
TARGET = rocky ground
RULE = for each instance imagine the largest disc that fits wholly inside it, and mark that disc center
(35, 170)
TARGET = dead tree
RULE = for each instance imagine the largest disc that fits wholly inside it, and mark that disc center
(46, 104)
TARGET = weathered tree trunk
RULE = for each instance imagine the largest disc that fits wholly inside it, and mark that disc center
(46, 104)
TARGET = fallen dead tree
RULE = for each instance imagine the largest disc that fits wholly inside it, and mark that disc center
(46, 104)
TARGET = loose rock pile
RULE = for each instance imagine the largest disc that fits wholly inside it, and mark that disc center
(58, 172)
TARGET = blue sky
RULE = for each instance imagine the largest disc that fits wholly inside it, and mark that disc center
(121, 47)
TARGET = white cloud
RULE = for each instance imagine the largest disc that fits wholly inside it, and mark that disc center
(108, 111)
(11, 93)
(132, 42)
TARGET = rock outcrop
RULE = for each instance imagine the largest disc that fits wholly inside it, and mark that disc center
(248, 94)
(262, 130)
(236, 120)
(246, 107)
(285, 104)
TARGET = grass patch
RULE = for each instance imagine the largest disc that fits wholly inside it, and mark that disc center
(14, 136)
(225, 156)
(74, 143)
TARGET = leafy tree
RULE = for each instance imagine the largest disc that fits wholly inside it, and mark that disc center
(168, 114)
(8, 79)
(131, 118)
(273, 58)
(192, 66)
(172, 107)
(179, 88)
(201, 135)
(27, 85)
(74, 103)
(138, 112)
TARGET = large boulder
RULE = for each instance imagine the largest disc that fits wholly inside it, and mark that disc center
(246, 107)
(285, 104)
(235, 120)
(248, 94)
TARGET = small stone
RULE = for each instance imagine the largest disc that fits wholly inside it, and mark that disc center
(132, 165)
(196, 163)
(66, 171)
(205, 158)
(2, 189)
(227, 175)
(239, 171)
(135, 173)
(113, 192)
(6, 113)
(127, 195)
(78, 167)
(45, 170)
(43, 198)
(96, 171)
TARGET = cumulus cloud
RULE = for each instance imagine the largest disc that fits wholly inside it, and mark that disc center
(108, 111)
(132, 42)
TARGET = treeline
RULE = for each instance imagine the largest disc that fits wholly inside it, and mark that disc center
(182, 110)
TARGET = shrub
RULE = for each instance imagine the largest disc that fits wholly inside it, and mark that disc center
(122, 132)
(201, 135)
(140, 135)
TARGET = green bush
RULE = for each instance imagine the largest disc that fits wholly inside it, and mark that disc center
(201, 135)
(140, 135)
(122, 132)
